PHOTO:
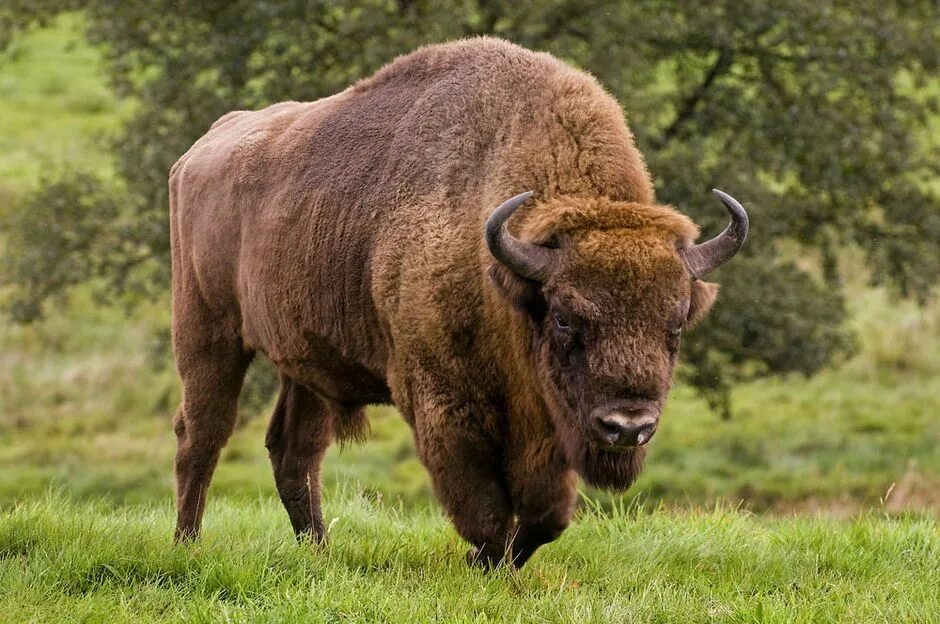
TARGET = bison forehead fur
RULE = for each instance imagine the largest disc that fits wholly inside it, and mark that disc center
(343, 239)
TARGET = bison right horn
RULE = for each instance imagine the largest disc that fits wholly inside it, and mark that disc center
(706, 257)
(526, 259)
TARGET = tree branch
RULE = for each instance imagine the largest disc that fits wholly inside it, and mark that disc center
(688, 106)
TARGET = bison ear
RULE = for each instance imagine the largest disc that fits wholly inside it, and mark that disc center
(702, 299)
(524, 294)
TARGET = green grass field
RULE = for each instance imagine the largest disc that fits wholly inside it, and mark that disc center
(63, 562)
(818, 502)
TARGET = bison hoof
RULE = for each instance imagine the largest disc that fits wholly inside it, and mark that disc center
(484, 558)
(310, 539)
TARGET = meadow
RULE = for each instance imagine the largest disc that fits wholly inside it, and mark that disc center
(818, 500)
(62, 561)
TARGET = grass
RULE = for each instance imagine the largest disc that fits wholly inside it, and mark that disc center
(66, 561)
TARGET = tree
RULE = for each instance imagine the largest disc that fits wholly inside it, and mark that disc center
(808, 110)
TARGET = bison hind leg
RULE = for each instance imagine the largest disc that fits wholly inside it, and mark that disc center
(302, 427)
(212, 377)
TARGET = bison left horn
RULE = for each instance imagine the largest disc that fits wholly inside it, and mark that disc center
(704, 258)
(526, 259)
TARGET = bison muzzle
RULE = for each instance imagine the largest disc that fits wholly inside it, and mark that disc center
(353, 241)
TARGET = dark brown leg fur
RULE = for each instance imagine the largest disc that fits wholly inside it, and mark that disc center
(467, 476)
(543, 494)
(476, 500)
(543, 499)
(300, 432)
(535, 531)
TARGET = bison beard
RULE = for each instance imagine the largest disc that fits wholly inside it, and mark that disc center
(613, 470)
(350, 241)
(610, 470)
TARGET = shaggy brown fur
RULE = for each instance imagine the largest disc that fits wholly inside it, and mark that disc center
(343, 239)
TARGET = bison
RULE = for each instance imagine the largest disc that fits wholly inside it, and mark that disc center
(353, 241)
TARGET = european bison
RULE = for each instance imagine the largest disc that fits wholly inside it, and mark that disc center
(353, 241)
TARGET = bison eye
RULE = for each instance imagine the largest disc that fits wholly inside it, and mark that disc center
(561, 323)
(673, 339)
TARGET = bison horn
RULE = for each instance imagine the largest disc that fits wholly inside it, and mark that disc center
(528, 260)
(706, 257)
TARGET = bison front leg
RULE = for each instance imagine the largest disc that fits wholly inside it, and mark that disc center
(298, 436)
(472, 493)
(465, 468)
(544, 493)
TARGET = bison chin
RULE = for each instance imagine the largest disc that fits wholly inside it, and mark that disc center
(609, 470)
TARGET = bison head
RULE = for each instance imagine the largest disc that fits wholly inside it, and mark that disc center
(607, 288)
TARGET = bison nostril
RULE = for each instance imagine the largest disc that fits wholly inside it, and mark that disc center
(634, 429)
(612, 427)
(645, 434)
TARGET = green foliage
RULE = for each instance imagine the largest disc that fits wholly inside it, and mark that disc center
(731, 345)
(261, 383)
(16, 15)
(61, 236)
(810, 111)
(63, 561)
